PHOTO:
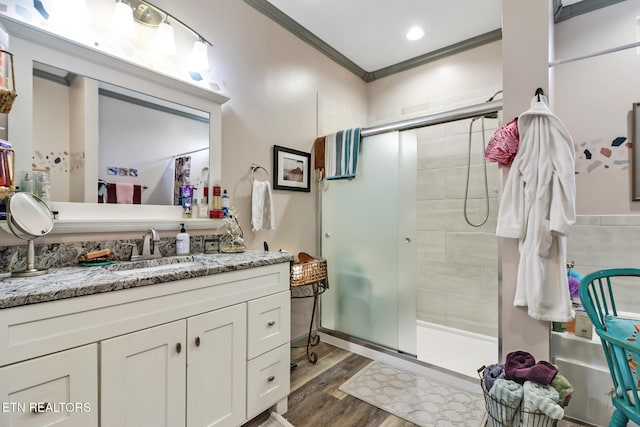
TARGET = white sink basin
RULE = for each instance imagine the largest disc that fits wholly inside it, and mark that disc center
(156, 268)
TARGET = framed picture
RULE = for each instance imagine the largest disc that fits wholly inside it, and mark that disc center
(635, 163)
(291, 169)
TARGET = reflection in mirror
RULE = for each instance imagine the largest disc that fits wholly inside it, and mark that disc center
(147, 147)
(28, 217)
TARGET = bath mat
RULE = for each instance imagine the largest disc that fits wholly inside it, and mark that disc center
(276, 420)
(415, 398)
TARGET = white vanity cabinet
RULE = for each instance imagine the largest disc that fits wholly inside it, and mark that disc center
(170, 354)
(149, 378)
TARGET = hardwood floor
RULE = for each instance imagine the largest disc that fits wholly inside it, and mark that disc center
(315, 399)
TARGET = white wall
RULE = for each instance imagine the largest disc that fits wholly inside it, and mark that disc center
(594, 98)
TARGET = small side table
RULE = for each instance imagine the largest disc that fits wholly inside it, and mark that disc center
(311, 290)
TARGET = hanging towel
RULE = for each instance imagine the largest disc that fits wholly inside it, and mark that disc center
(509, 392)
(542, 398)
(124, 193)
(341, 154)
(262, 214)
(111, 193)
(137, 194)
(318, 155)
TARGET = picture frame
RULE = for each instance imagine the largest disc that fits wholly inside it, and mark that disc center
(291, 169)
(635, 156)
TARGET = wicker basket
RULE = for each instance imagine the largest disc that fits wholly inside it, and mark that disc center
(501, 414)
(308, 270)
(8, 95)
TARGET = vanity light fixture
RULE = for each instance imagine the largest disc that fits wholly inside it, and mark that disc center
(415, 33)
(146, 13)
(199, 58)
(165, 41)
(122, 20)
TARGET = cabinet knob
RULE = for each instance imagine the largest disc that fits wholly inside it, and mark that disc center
(271, 323)
(39, 407)
(197, 341)
(178, 348)
(271, 378)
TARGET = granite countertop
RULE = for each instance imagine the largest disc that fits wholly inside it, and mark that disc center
(69, 282)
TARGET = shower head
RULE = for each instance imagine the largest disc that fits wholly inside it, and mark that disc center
(493, 115)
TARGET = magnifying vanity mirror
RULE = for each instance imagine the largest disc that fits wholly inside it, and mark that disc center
(28, 217)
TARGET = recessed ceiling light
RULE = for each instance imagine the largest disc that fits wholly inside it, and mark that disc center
(415, 33)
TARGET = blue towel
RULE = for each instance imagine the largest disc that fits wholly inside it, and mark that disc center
(341, 154)
(492, 373)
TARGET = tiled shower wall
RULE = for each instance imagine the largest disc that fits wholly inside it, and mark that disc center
(457, 264)
(608, 241)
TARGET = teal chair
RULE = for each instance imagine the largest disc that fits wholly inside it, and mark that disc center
(618, 336)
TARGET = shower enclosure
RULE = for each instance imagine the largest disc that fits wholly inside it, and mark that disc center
(407, 272)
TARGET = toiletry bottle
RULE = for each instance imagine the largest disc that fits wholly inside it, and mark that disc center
(182, 242)
(225, 203)
(27, 183)
(217, 203)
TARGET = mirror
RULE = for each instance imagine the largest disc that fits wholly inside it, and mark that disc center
(94, 67)
(147, 147)
(28, 217)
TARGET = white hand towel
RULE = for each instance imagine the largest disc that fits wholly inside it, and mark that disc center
(262, 214)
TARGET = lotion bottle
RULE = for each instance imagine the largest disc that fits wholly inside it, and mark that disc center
(182, 242)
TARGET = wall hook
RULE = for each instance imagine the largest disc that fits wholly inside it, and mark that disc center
(539, 92)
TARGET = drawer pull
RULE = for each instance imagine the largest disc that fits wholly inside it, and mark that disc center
(197, 341)
(271, 323)
(178, 348)
(39, 408)
(271, 378)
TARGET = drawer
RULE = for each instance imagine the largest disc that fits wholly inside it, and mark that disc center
(267, 380)
(268, 323)
(60, 389)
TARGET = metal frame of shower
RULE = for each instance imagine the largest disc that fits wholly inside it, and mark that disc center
(469, 112)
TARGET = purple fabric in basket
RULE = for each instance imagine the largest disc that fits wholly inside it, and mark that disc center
(521, 366)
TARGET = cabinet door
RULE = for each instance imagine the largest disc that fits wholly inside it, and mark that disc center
(216, 367)
(143, 378)
(269, 323)
(58, 390)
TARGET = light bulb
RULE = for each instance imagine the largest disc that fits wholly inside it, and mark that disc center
(122, 21)
(165, 41)
(199, 59)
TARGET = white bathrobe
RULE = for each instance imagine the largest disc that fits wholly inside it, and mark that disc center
(538, 209)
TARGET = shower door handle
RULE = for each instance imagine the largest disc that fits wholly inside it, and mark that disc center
(407, 240)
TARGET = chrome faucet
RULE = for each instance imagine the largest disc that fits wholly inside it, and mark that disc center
(149, 249)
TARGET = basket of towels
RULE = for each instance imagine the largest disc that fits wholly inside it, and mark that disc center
(524, 393)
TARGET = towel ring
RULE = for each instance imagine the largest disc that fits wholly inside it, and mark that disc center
(254, 168)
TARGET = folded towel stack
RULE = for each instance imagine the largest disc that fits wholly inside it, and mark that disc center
(523, 393)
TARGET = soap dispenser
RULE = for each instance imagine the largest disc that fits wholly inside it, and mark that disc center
(182, 242)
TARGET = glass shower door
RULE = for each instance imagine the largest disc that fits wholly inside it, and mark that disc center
(361, 235)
